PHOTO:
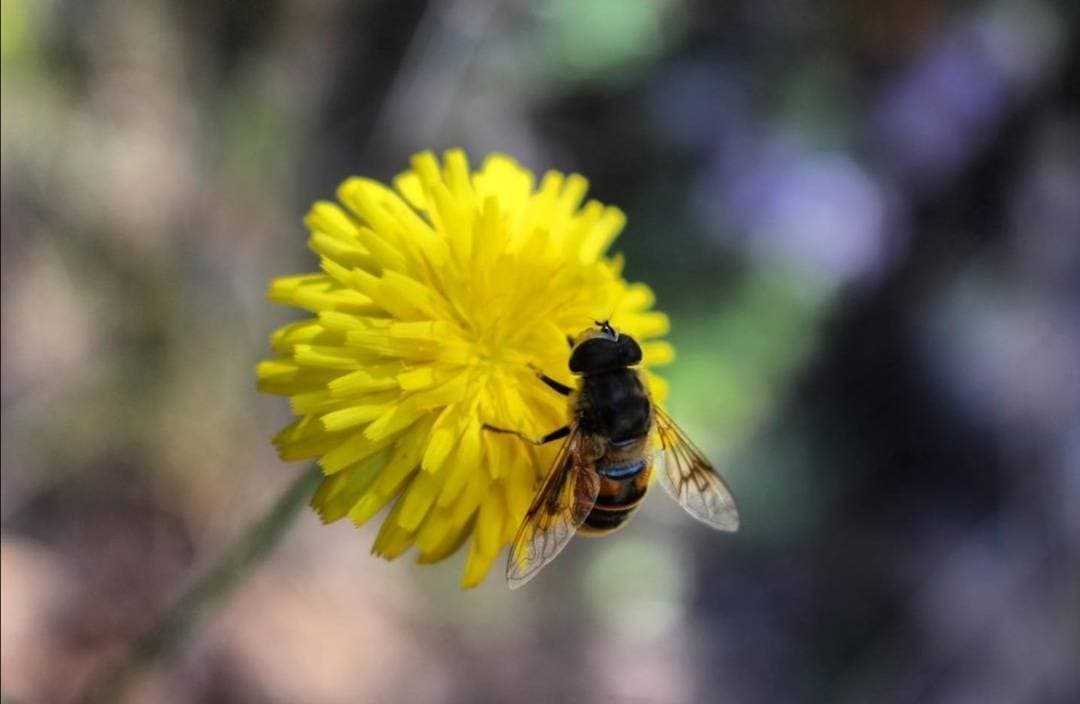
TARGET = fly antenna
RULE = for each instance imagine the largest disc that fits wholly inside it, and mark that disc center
(605, 324)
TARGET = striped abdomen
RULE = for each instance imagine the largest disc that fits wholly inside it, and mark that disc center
(622, 486)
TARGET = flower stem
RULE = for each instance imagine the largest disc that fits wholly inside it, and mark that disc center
(173, 627)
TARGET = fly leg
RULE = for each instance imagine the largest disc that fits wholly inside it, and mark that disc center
(556, 386)
(550, 437)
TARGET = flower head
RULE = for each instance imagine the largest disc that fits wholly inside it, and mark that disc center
(436, 300)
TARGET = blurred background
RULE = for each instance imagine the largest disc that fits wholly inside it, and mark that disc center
(863, 218)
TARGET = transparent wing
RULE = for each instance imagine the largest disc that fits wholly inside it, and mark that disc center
(691, 479)
(562, 505)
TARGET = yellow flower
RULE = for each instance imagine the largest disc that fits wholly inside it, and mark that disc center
(434, 298)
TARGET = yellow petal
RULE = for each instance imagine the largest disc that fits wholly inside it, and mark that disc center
(476, 567)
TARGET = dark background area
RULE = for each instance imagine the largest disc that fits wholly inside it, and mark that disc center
(863, 219)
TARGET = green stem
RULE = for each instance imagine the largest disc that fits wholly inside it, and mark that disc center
(156, 644)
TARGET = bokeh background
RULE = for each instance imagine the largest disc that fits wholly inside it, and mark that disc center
(863, 218)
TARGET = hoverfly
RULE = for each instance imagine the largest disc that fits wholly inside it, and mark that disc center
(602, 471)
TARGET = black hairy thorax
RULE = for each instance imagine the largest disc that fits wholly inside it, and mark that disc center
(614, 405)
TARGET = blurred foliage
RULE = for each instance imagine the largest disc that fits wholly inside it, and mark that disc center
(604, 40)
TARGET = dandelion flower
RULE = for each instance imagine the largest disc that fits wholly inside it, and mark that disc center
(434, 299)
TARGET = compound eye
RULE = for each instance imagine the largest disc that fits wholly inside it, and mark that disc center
(630, 349)
(594, 355)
